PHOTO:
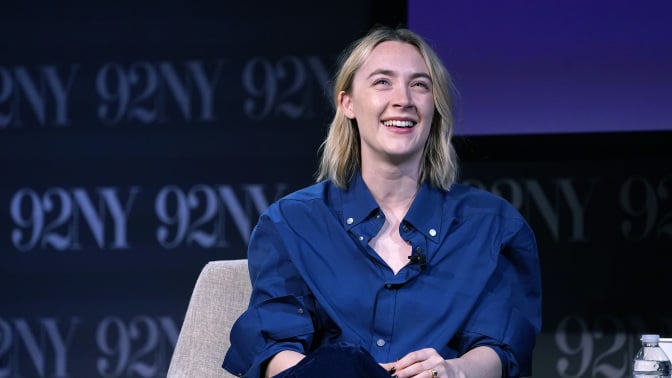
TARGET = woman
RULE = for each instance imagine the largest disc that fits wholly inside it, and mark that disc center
(386, 266)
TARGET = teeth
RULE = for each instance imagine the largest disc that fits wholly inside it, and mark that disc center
(398, 123)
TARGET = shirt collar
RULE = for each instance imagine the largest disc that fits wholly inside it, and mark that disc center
(358, 202)
(425, 213)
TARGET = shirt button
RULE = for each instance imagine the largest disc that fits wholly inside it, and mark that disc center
(361, 238)
(388, 286)
(432, 232)
(349, 221)
(405, 228)
(299, 310)
(380, 342)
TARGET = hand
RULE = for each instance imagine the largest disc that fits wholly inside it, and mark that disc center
(281, 362)
(423, 363)
(479, 362)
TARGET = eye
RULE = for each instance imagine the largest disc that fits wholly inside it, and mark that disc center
(421, 84)
(381, 81)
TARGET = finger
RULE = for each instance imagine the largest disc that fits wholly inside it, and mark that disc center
(389, 366)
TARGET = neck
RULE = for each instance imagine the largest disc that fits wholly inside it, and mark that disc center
(393, 190)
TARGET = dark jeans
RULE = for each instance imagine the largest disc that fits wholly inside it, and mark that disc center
(337, 360)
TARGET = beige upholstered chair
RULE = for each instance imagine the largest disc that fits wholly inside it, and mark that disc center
(221, 294)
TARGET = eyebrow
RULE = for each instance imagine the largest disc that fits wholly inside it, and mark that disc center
(392, 73)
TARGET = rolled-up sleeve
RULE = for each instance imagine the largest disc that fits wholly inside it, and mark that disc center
(508, 316)
(279, 316)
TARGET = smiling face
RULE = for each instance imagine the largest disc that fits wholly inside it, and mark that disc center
(392, 101)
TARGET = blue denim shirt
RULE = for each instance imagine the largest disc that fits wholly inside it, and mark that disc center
(316, 280)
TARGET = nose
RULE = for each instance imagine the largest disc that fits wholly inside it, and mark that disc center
(403, 97)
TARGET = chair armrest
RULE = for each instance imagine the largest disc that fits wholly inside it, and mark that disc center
(220, 295)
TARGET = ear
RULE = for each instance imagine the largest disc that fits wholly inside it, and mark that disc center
(345, 102)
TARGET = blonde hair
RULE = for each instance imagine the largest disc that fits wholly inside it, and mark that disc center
(340, 150)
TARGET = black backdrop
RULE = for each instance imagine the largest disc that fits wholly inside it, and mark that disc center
(140, 140)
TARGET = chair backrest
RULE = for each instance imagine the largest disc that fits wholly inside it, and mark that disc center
(221, 294)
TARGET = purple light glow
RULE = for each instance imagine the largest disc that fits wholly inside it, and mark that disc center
(525, 67)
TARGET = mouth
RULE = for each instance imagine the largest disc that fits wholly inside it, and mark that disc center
(399, 124)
